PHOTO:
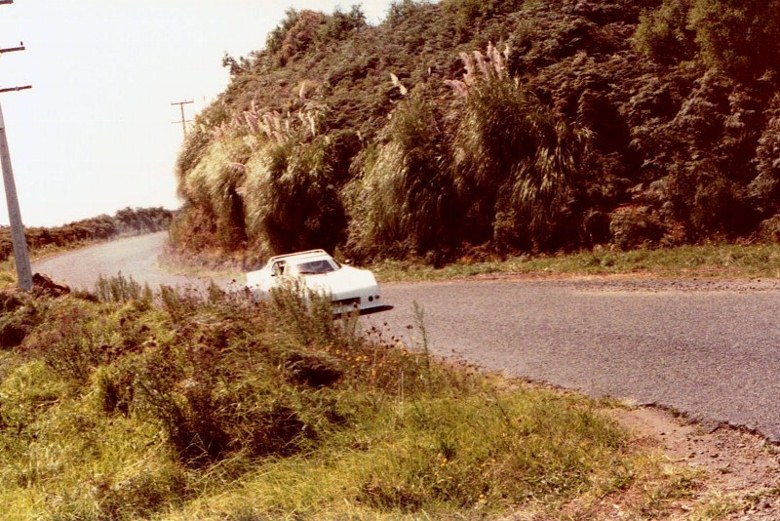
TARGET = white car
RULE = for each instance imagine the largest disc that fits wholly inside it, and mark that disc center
(348, 288)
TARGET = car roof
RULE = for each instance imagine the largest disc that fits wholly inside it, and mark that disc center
(310, 254)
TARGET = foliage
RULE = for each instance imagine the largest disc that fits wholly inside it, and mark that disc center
(633, 227)
(292, 199)
(529, 124)
(664, 34)
(518, 161)
(739, 36)
(406, 201)
(764, 189)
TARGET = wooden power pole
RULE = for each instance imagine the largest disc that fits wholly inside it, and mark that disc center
(183, 119)
(21, 256)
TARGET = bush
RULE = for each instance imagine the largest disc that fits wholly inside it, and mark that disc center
(71, 342)
(292, 198)
(764, 189)
(663, 34)
(121, 289)
(19, 314)
(738, 36)
(634, 227)
(769, 229)
(544, 141)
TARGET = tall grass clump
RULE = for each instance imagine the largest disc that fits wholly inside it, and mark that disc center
(213, 185)
(292, 197)
(406, 202)
(121, 289)
(519, 163)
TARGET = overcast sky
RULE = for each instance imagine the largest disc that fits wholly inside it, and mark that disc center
(95, 133)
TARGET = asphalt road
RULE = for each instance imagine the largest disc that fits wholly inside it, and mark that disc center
(135, 257)
(708, 349)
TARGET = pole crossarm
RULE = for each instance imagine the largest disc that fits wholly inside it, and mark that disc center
(20, 47)
(14, 89)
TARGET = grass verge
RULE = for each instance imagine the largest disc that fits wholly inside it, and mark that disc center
(706, 261)
(176, 405)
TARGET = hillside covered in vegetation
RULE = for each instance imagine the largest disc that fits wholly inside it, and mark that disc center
(495, 126)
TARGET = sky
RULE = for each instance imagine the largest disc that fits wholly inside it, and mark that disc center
(97, 132)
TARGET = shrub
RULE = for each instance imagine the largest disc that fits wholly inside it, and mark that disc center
(292, 198)
(764, 189)
(340, 25)
(300, 35)
(471, 14)
(635, 226)
(691, 88)
(19, 314)
(769, 229)
(717, 207)
(196, 143)
(738, 36)
(121, 289)
(71, 342)
(663, 34)
(216, 395)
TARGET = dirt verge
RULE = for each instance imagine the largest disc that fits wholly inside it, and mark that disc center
(740, 470)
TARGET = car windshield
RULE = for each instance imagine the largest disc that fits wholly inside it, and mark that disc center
(315, 267)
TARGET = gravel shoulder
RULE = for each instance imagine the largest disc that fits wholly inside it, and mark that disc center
(740, 470)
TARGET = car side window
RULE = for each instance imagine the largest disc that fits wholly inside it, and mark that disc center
(277, 268)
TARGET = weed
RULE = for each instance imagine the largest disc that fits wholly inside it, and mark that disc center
(121, 289)
(71, 342)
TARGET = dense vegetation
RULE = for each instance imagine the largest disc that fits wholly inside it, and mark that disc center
(123, 405)
(493, 126)
(128, 221)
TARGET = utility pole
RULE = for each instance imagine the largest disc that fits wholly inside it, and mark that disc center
(21, 256)
(183, 121)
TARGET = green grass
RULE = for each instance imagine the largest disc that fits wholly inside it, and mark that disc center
(176, 406)
(708, 261)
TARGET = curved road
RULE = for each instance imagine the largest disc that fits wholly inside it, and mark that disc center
(708, 349)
